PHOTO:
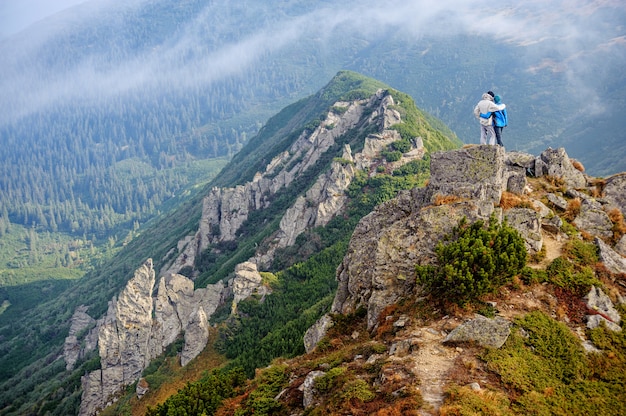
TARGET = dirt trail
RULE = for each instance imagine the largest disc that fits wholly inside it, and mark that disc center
(432, 363)
(553, 246)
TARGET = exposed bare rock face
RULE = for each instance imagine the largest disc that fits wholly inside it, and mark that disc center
(614, 191)
(247, 281)
(555, 162)
(225, 209)
(598, 302)
(614, 261)
(72, 350)
(196, 336)
(314, 334)
(138, 327)
(483, 331)
(123, 342)
(593, 219)
(378, 269)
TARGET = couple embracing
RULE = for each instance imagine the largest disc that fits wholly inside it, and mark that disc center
(491, 113)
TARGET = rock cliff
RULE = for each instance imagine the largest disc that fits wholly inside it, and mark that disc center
(468, 182)
(408, 353)
(224, 210)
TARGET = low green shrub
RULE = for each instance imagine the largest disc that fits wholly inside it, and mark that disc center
(477, 260)
(575, 278)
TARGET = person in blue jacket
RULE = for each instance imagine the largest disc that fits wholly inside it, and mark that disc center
(484, 113)
(500, 120)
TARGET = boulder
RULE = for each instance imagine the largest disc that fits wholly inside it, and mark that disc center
(555, 162)
(314, 334)
(593, 219)
(527, 223)
(308, 388)
(483, 331)
(474, 172)
(600, 303)
(614, 261)
(615, 192)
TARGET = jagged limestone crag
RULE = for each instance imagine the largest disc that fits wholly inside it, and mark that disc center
(247, 281)
(379, 267)
(72, 349)
(226, 209)
(138, 327)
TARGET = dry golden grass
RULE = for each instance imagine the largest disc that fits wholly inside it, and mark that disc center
(598, 187)
(619, 225)
(577, 165)
(556, 182)
(572, 210)
(446, 199)
(509, 200)
(205, 361)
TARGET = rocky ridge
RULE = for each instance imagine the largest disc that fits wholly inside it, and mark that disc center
(378, 271)
(139, 326)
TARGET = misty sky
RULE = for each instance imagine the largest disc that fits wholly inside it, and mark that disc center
(559, 34)
(16, 15)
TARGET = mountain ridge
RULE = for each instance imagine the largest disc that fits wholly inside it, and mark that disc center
(102, 284)
(391, 346)
(381, 146)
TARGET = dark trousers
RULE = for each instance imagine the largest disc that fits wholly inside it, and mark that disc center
(498, 131)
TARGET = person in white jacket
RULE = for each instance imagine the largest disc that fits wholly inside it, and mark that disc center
(483, 112)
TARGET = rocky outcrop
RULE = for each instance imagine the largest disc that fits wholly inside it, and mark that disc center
(378, 269)
(314, 334)
(473, 173)
(247, 281)
(556, 163)
(528, 223)
(308, 388)
(226, 209)
(138, 327)
(72, 349)
(602, 309)
(123, 342)
(196, 336)
(614, 191)
(613, 261)
(593, 219)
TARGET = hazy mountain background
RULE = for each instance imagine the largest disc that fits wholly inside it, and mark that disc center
(113, 113)
(89, 85)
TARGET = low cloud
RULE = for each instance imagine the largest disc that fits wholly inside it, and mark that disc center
(556, 36)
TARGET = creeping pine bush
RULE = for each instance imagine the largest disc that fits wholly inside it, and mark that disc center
(476, 260)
